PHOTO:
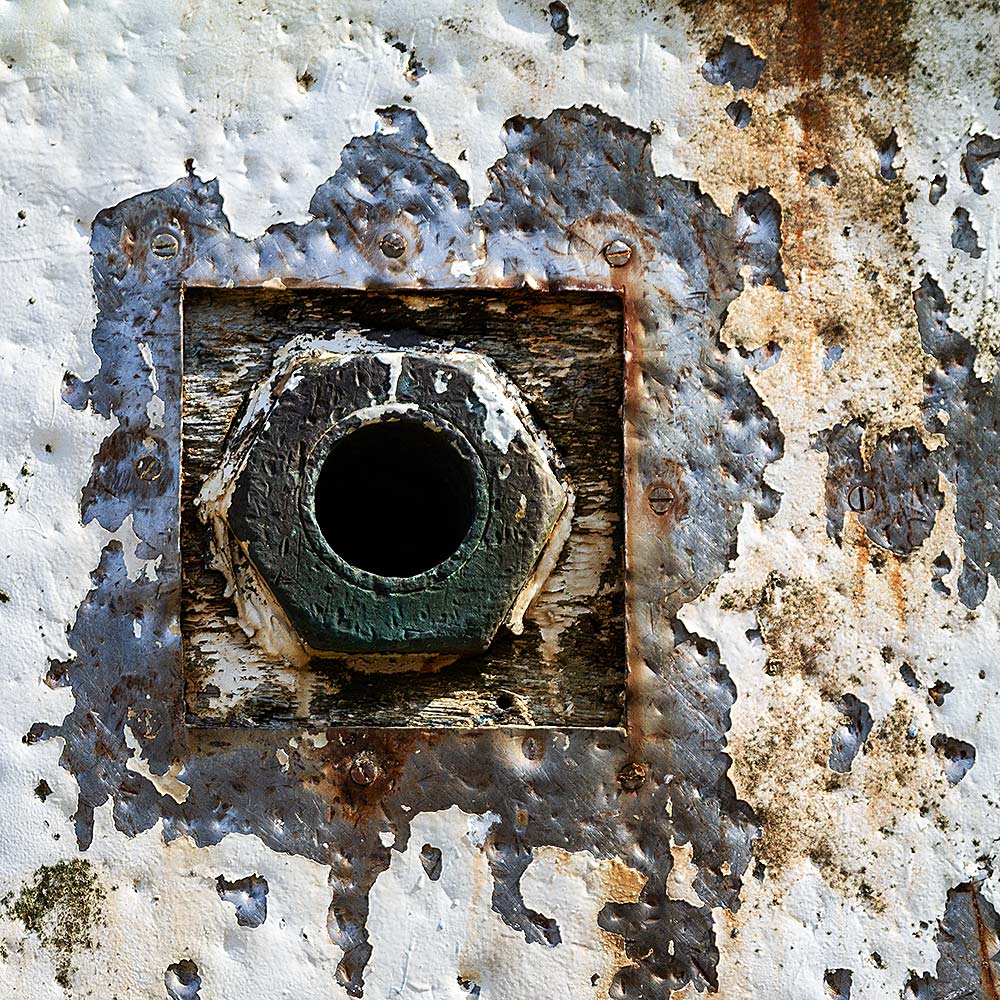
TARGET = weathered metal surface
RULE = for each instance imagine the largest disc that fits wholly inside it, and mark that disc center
(686, 392)
(803, 804)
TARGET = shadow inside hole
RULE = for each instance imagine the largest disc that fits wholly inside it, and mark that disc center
(395, 498)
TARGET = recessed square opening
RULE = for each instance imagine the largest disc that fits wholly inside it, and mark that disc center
(563, 352)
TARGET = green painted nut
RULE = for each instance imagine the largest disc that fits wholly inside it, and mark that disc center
(396, 502)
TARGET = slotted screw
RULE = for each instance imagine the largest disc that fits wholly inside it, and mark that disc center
(617, 253)
(165, 244)
(149, 467)
(661, 498)
(392, 245)
(364, 769)
(861, 498)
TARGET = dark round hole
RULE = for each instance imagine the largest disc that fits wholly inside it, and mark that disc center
(395, 498)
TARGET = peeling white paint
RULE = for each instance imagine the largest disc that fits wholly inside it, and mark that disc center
(103, 101)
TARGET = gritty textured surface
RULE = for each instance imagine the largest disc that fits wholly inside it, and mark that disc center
(810, 307)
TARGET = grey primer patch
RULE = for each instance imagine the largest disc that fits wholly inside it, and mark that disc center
(739, 113)
(507, 865)
(735, 64)
(566, 184)
(967, 951)
(763, 357)
(831, 356)
(757, 217)
(249, 897)
(850, 735)
(937, 189)
(838, 983)
(182, 981)
(888, 150)
(958, 756)
(559, 13)
(430, 858)
(895, 497)
(970, 425)
(963, 233)
(909, 677)
(941, 568)
(980, 151)
(825, 176)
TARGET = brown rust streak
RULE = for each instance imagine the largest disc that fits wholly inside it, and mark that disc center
(983, 934)
(897, 585)
(803, 39)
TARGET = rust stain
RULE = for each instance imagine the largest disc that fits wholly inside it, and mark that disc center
(986, 947)
(897, 585)
(805, 39)
(390, 750)
(856, 536)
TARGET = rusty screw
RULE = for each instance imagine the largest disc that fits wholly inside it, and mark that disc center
(631, 776)
(617, 253)
(661, 498)
(364, 769)
(861, 498)
(149, 467)
(165, 244)
(531, 748)
(392, 245)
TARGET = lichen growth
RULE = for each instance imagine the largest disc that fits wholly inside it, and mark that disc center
(62, 905)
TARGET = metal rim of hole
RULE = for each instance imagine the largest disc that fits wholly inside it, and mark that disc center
(392, 245)
(439, 571)
(395, 498)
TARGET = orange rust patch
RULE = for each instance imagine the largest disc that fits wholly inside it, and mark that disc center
(856, 536)
(390, 750)
(897, 585)
(803, 39)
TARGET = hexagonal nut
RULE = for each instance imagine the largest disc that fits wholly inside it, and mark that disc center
(396, 502)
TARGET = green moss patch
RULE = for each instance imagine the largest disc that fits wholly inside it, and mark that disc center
(62, 905)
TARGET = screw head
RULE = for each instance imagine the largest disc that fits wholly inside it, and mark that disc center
(148, 467)
(660, 498)
(531, 748)
(364, 769)
(165, 244)
(392, 245)
(631, 776)
(861, 498)
(617, 253)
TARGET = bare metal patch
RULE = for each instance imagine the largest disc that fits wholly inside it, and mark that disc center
(571, 188)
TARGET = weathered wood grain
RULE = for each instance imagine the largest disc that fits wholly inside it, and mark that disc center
(564, 352)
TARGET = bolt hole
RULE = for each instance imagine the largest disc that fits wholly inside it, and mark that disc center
(395, 498)
(505, 701)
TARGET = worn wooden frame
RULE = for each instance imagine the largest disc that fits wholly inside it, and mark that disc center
(565, 663)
